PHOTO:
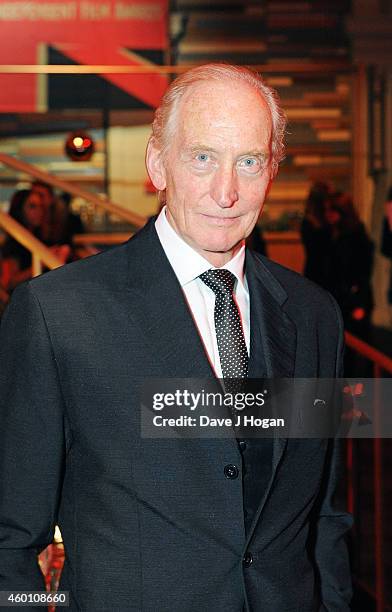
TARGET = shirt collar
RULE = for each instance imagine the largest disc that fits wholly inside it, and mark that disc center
(187, 263)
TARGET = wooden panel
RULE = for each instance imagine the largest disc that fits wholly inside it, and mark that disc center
(327, 97)
(334, 135)
(279, 81)
(289, 191)
(311, 148)
(225, 45)
(296, 102)
(303, 21)
(285, 250)
(343, 88)
(296, 114)
(287, 7)
(318, 160)
(329, 124)
(342, 174)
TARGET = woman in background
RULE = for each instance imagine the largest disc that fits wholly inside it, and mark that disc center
(315, 234)
(386, 238)
(350, 264)
(27, 208)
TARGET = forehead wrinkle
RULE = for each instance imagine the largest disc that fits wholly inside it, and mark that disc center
(194, 103)
(217, 128)
(206, 114)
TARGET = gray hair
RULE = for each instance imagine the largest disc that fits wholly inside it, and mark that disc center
(164, 123)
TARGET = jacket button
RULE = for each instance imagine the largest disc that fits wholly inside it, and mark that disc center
(231, 471)
(247, 559)
(242, 444)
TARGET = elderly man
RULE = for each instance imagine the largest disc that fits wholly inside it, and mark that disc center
(174, 525)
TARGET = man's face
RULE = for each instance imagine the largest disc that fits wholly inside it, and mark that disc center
(217, 170)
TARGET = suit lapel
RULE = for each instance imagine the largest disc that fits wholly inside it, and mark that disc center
(270, 324)
(273, 334)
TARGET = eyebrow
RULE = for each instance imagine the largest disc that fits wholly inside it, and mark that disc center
(201, 147)
(255, 153)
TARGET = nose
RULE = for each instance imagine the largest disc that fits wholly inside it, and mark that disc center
(224, 187)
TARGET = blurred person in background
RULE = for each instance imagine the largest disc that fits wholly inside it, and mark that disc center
(72, 222)
(27, 208)
(69, 225)
(48, 199)
(386, 238)
(55, 225)
(315, 234)
(349, 263)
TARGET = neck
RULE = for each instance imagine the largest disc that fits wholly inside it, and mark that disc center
(218, 260)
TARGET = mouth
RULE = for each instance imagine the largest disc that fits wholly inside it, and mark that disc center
(222, 221)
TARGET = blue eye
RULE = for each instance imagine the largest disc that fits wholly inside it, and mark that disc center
(203, 157)
(251, 164)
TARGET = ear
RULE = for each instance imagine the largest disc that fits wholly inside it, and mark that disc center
(154, 165)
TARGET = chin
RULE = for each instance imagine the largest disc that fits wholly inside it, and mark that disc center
(220, 246)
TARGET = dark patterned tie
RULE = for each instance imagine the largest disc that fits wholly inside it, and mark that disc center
(229, 333)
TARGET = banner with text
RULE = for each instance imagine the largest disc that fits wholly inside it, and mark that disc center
(82, 32)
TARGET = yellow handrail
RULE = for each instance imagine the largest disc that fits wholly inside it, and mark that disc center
(41, 175)
(273, 67)
(100, 238)
(40, 252)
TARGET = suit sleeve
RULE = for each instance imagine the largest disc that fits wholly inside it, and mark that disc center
(332, 521)
(31, 442)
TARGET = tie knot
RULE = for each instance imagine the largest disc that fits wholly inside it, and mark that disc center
(220, 281)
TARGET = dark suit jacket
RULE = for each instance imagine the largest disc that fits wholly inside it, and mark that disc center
(154, 525)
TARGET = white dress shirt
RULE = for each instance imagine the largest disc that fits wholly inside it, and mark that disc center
(188, 265)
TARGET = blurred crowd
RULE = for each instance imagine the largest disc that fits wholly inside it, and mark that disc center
(50, 219)
(386, 238)
(339, 254)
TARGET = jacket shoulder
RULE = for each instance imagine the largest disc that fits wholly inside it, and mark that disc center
(108, 268)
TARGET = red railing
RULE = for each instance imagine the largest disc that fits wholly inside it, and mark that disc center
(381, 363)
